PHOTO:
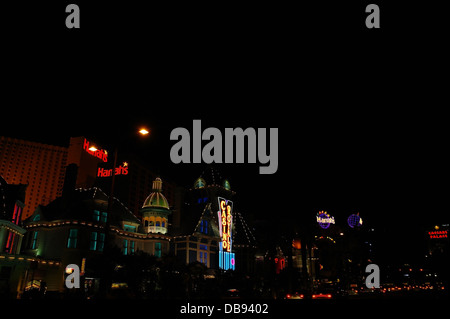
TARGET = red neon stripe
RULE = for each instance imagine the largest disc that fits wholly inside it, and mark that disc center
(19, 214)
(14, 214)
(9, 240)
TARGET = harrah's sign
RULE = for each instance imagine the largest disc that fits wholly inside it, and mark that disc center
(101, 154)
(121, 170)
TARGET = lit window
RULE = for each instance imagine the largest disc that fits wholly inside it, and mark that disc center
(96, 216)
(204, 226)
(93, 244)
(129, 228)
(72, 241)
(104, 217)
(158, 250)
(101, 242)
(204, 257)
(34, 240)
(132, 247)
(125, 247)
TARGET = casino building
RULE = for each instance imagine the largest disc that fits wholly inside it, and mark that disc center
(213, 232)
(77, 227)
(65, 219)
(17, 270)
(74, 228)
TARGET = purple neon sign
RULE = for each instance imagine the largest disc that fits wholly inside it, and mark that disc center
(324, 219)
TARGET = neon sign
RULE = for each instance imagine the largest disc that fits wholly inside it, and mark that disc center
(121, 170)
(324, 219)
(438, 234)
(226, 257)
(101, 154)
(354, 220)
(225, 220)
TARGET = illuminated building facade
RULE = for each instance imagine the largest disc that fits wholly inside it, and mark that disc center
(42, 167)
(217, 232)
(73, 229)
(438, 252)
(16, 270)
(134, 181)
(11, 207)
(38, 165)
(155, 211)
(86, 160)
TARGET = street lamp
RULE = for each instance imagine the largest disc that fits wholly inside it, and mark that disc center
(143, 131)
(107, 243)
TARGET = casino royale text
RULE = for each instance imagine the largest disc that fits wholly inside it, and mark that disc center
(259, 145)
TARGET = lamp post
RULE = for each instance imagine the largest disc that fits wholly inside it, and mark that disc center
(107, 242)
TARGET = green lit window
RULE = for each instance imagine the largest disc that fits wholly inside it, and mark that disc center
(93, 244)
(72, 240)
(158, 250)
(104, 217)
(96, 216)
(129, 228)
(125, 247)
(132, 247)
(34, 240)
(101, 242)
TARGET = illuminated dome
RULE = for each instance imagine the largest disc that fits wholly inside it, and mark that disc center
(199, 183)
(226, 185)
(155, 211)
(211, 177)
(156, 198)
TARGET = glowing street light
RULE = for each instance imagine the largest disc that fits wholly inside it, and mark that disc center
(93, 148)
(144, 131)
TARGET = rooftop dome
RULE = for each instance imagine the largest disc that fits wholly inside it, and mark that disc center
(211, 177)
(156, 198)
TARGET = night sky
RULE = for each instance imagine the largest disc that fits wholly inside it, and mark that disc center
(361, 119)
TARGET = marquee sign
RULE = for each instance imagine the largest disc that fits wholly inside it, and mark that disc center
(324, 219)
(101, 154)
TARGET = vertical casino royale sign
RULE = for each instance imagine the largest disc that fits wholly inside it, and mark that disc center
(225, 222)
(225, 215)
